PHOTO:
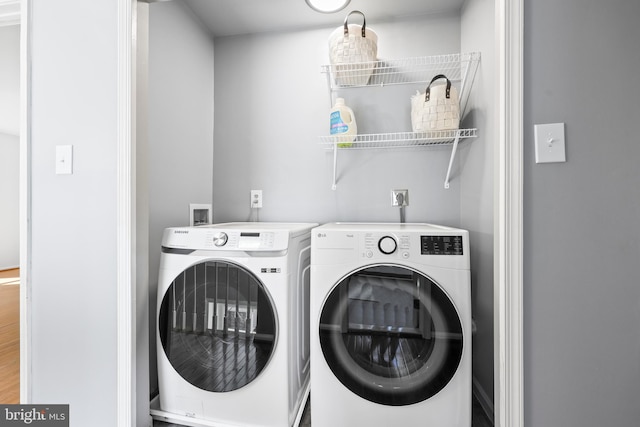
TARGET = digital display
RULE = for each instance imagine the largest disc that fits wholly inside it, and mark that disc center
(441, 245)
(249, 234)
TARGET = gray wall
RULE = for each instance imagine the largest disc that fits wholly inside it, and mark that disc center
(180, 129)
(9, 145)
(476, 189)
(272, 103)
(581, 233)
(270, 112)
(73, 248)
(143, 317)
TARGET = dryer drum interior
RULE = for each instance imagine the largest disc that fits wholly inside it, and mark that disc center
(391, 335)
(217, 326)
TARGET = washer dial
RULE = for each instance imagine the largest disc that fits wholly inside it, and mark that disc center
(220, 239)
(387, 245)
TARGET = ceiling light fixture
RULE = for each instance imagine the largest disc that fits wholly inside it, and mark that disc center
(327, 6)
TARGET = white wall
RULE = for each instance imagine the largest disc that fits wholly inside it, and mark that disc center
(477, 185)
(73, 243)
(9, 146)
(9, 199)
(180, 129)
(10, 79)
(581, 232)
(272, 103)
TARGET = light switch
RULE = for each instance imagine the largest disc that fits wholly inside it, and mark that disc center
(64, 159)
(549, 141)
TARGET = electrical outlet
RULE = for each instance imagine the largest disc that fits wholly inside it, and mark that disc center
(399, 198)
(256, 198)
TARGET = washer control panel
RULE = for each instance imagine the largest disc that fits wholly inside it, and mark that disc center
(376, 244)
(405, 245)
(220, 238)
(441, 245)
(244, 240)
(387, 245)
(228, 239)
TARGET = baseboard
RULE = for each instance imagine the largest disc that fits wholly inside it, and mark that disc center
(486, 403)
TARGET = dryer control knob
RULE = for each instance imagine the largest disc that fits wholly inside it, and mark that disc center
(387, 245)
(220, 239)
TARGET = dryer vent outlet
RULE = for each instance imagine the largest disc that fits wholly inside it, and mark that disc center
(399, 198)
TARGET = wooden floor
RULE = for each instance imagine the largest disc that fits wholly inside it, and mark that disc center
(10, 336)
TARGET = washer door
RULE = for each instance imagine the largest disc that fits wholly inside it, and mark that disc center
(391, 335)
(217, 326)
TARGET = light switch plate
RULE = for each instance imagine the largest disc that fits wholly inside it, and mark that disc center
(64, 159)
(549, 142)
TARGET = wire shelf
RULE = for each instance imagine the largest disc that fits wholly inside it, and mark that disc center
(399, 71)
(398, 139)
(458, 67)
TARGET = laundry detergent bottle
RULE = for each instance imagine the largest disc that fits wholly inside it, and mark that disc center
(343, 124)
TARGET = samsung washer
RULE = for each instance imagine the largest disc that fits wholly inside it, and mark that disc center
(232, 325)
(390, 326)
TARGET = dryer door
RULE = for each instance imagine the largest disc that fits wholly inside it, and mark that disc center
(217, 326)
(391, 335)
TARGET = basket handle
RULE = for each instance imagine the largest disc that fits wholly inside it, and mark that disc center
(346, 20)
(427, 93)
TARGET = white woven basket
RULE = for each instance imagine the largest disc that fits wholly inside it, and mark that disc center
(353, 51)
(438, 108)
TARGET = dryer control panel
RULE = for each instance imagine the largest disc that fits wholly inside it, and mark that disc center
(390, 244)
(424, 244)
(204, 238)
(252, 240)
(441, 245)
(401, 245)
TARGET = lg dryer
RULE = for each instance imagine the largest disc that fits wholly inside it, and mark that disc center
(390, 326)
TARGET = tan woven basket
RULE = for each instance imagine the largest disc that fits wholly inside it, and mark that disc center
(353, 51)
(438, 108)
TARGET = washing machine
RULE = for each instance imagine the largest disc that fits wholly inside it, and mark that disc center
(232, 324)
(390, 326)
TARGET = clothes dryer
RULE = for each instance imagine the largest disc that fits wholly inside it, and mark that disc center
(390, 326)
(232, 324)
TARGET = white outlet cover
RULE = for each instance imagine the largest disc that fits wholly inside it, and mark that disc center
(549, 143)
(256, 199)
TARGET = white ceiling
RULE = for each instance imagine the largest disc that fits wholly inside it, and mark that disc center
(233, 17)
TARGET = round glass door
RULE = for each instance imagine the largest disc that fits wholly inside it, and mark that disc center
(217, 326)
(391, 335)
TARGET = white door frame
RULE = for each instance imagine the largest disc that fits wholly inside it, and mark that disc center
(508, 332)
(126, 211)
(508, 354)
(25, 201)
